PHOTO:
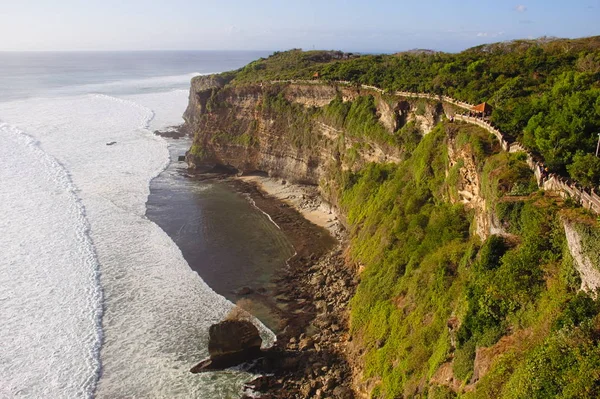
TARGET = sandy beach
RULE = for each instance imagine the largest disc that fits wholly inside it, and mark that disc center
(305, 199)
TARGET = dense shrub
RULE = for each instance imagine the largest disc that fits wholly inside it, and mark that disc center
(422, 267)
(578, 310)
(566, 365)
(585, 169)
(358, 118)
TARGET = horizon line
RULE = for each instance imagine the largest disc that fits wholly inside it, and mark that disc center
(363, 51)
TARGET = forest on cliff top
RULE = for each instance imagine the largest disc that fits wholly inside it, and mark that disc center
(544, 93)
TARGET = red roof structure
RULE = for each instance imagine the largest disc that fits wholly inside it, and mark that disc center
(483, 108)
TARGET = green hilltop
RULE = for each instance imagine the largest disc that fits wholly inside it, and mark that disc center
(545, 93)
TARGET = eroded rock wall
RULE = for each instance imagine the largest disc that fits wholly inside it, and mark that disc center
(583, 262)
(232, 129)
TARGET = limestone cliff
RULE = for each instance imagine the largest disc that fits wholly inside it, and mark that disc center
(235, 128)
(460, 257)
(583, 246)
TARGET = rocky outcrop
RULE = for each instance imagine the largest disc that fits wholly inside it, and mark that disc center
(230, 342)
(201, 90)
(313, 363)
(231, 131)
(426, 115)
(231, 337)
(388, 116)
(469, 190)
(589, 273)
(469, 187)
(311, 95)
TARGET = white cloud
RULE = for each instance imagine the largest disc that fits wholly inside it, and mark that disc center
(521, 8)
(490, 34)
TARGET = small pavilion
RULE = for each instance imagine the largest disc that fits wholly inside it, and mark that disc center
(482, 110)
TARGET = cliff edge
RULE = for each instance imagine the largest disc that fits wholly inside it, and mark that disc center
(470, 276)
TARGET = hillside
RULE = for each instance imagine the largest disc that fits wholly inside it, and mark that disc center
(545, 93)
(473, 282)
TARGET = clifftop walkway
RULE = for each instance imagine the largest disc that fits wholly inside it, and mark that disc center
(548, 182)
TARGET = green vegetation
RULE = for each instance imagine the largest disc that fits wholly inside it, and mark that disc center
(294, 119)
(432, 293)
(564, 120)
(282, 65)
(409, 137)
(507, 174)
(585, 169)
(423, 268)
(564, 366)
(413, 245)
(358, 118)
(197, 151)
(244, 140)
(546, 93)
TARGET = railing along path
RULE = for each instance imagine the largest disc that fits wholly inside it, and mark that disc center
(546, 181)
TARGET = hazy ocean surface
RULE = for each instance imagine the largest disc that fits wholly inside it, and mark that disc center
(96, 299)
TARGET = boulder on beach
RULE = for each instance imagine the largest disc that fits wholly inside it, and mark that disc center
(233, 336)
(230, 342)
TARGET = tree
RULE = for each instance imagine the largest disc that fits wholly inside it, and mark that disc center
(585, 169)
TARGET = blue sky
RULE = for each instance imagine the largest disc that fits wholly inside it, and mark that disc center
(376, 25)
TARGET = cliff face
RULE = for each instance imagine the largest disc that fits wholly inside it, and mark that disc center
(583, 246)
(468, 188)
(235, 127)
(460, 256)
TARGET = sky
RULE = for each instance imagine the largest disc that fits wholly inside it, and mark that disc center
(349, 25)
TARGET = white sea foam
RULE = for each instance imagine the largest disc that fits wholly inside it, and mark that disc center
(50, 298)
(156, 309)
(149, 85)
(169, 107)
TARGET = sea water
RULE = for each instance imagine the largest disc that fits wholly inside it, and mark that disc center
(95, 299)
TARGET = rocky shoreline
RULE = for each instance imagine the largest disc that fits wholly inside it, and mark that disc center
(321, 369)
(313, 291)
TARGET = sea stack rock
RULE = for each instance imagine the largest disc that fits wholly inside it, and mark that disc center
(230, 342)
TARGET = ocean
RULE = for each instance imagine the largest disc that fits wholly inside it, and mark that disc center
(96, 299)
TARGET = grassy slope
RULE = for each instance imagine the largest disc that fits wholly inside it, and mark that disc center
(423, 268)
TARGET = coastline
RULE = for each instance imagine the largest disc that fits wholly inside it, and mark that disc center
(232, 247)
(307, 295)
(314, 289)
(305, 199)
